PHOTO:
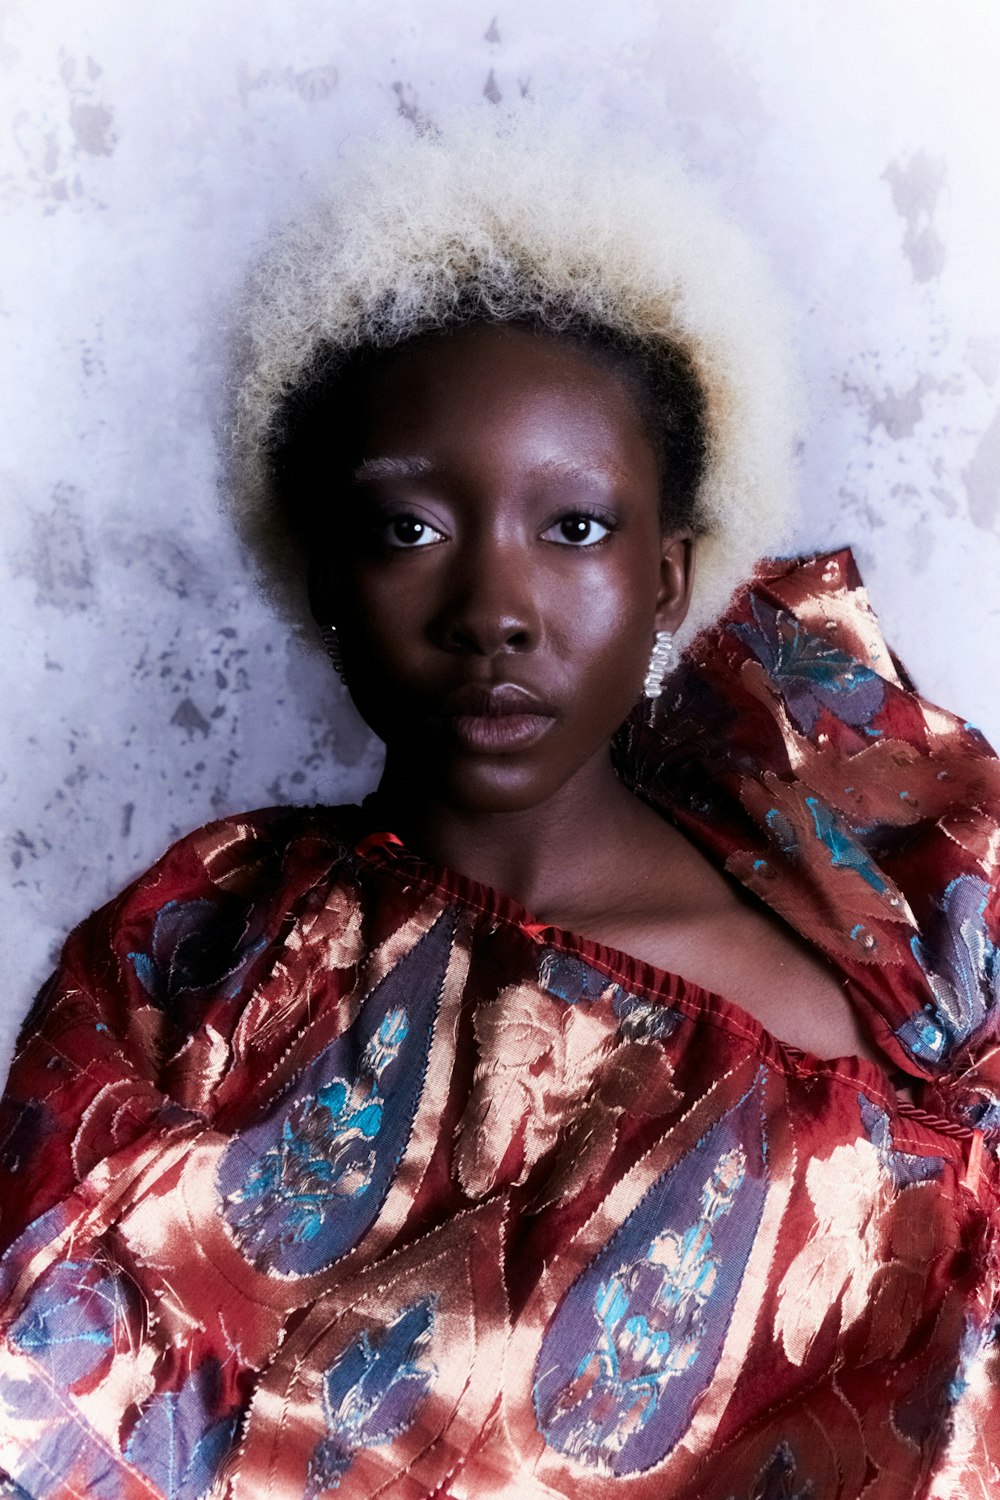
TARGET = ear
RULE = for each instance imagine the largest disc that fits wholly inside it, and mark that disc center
(677, 559)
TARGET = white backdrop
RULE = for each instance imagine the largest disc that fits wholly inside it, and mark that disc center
(144, 686)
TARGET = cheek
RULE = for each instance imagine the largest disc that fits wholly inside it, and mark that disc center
(612, 617)
(384, 615)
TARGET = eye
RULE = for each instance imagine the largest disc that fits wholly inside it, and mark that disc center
(579, 528)
(407, 532)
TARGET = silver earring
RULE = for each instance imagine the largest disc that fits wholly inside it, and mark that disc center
(331, 645)
(659, 664)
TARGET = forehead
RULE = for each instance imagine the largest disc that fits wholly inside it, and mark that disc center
(489, 383)
(502, 352)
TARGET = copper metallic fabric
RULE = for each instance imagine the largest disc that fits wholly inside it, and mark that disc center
(327, 1173)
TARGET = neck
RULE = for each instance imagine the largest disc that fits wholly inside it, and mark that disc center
(545, 857)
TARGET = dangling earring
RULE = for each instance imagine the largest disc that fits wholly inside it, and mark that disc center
(331, 644)
(659, 664)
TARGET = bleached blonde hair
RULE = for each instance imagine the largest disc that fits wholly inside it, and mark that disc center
(525, 219)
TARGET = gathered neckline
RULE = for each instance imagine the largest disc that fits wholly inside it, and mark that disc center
(386, 850)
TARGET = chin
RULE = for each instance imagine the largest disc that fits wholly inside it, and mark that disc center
(485, 787)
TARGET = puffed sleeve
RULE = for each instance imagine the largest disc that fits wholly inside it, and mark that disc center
(128, 1039)
(796, 749)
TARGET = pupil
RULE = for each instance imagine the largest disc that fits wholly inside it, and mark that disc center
(408, 529)
(575, 528)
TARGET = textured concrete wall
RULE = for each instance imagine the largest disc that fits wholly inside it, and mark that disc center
(145, 149)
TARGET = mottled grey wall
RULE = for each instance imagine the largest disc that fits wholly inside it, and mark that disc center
(146, 148)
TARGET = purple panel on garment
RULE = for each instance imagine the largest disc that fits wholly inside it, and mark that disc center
(35, 1237)
(812, 674)
(179, 1441)
(962, 966)
(572, 979)
(372, 1393)
(64, 1450)
(72, 1320)
(637, 1338)
(902, 1166)
(302, 1187)
(76, 1318)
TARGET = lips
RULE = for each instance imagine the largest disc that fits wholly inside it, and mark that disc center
(494, 701)
(495, 719)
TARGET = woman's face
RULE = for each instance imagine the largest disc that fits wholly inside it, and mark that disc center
(501, 572)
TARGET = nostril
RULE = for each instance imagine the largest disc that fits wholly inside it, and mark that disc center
(462, 640)
(485, 637)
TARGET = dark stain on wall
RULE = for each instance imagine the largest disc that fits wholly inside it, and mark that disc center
(175, 567)
(409, 107)
(93, 128)
(58, 556)
(312, 85)
(187, 715)
(916, 184)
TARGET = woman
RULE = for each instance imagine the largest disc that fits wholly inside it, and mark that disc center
(337, 1159)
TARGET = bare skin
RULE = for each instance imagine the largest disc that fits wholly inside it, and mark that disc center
(507, 538)
(643, 888)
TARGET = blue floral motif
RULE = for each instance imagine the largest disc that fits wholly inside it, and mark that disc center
(811, 673)
(775, 1480)
(195, 945)
(73, 1322)
(572, 979)
(782, 831)
(923, 1036)
(178, 1442)
(299, 1187)
(325, 1151)
(962, 966)
(903, 1167)
(372, 1393)
(652, 1310)
(70, 1323)
(845, 851)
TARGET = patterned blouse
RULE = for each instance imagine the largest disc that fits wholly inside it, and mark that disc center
(326, 1173)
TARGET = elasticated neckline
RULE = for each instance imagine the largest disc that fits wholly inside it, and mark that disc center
(387, 851)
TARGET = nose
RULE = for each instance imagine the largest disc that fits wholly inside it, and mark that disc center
(491, 605)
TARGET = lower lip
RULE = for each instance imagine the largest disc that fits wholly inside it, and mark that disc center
(504, 732)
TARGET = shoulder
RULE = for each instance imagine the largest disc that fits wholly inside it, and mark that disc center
(800, 757)
(144, 1014)
(211, 898)
(244, 852)
(185, 940)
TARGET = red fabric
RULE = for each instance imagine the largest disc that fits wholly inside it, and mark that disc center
(324, 1172)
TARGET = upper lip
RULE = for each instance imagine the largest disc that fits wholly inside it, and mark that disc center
(477, 700)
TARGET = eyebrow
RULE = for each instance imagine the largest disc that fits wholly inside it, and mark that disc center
(406, 467)
(581, 473)
(392, 468)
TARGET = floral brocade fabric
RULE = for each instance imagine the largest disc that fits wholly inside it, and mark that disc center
(326, 1173)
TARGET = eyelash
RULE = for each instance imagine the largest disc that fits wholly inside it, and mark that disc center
(610, 523)
(382, 524)
(586, 513)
